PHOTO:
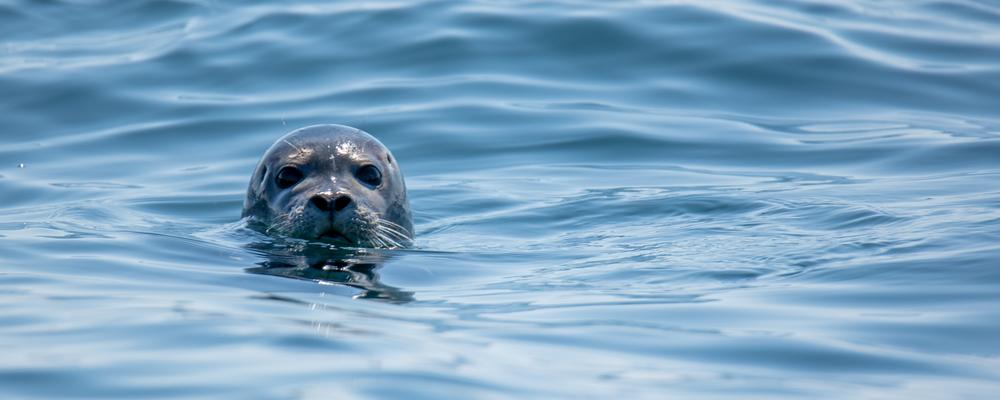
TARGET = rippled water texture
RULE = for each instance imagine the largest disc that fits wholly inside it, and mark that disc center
(629, 199)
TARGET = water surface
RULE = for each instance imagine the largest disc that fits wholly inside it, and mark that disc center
(635, 199)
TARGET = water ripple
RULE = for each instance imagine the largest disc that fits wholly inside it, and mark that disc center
(742, 199)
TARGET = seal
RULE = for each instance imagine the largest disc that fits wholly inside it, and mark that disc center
(330, 183)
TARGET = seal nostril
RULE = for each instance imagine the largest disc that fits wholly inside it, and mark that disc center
(321, 202)
(341, 203)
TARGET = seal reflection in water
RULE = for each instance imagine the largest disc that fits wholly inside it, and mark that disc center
(330, 183)
(321, 264)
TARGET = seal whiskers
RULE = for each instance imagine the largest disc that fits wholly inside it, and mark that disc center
(391, 233)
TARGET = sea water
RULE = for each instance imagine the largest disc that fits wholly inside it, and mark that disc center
(628, 199)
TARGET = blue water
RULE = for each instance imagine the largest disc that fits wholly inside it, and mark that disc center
(630, 199)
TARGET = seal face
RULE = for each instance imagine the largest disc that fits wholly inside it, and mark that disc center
(333, 183)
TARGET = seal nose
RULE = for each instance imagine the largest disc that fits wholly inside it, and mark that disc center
(341, 202)
(327, 203)
(322, 201)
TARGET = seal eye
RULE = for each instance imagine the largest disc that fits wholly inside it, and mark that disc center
(370, 175)
(288, 177)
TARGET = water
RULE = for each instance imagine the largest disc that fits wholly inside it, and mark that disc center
(636, 199)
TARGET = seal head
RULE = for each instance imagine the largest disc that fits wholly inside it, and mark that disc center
(332, 183)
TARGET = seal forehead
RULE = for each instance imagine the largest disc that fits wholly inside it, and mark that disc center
(330, 149)
(348, 148)
(300, 151)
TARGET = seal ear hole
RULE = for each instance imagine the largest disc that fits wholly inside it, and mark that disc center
(263, 175)
(388, 159)
(288, 177)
